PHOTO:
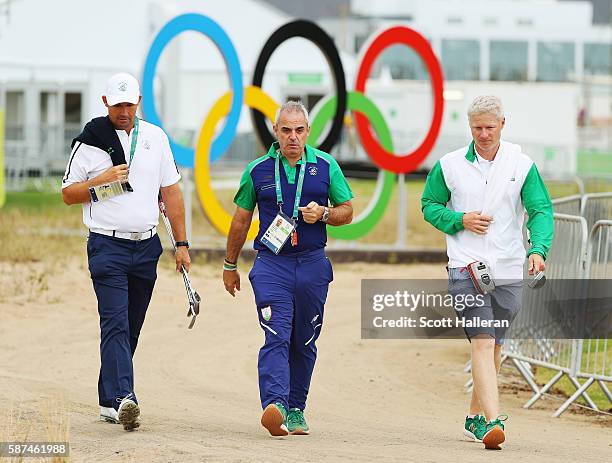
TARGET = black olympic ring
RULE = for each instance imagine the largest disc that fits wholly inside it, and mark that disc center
(309, 31)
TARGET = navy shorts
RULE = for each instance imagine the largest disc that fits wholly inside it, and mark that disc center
(501, 305)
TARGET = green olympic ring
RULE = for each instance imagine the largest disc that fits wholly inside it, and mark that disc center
(368, 219)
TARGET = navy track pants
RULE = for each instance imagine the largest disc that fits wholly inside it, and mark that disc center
(290, 293)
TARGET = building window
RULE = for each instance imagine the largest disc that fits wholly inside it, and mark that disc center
(72, 115)
(49, 121)
(556, 62)
(508, 61)
(598, 59)
(15, 115)
(312, 99)
(359, 41)
(72, 108)
(461, 59)
(49, 111)
(524, 22)
(403, 62)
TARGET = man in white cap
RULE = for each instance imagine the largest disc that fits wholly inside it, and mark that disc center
(118, 166)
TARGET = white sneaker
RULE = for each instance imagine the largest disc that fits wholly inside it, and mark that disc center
(128, 413)
(109, 414)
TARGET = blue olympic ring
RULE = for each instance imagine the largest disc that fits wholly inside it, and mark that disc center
(184, 155)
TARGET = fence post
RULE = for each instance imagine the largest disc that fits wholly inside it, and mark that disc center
(403, 212)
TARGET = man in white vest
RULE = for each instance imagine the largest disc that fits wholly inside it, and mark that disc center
(477, 196)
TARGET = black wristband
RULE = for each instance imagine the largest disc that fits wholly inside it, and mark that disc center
(182, 243)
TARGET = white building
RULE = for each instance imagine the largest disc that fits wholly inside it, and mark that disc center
(55, 57)
(499, 40)
(546, 60)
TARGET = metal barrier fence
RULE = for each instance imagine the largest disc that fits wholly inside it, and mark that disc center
(570, 205)
(576, 255)
(596, 206)
(595, 361)
(531, 339)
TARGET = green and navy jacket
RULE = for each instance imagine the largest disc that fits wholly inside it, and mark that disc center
(324, 182)
(456, 185)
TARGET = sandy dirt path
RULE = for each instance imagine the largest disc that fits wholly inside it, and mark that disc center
(370, 399)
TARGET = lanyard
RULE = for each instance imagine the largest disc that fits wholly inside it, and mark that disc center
(134, 140)
(298, 191)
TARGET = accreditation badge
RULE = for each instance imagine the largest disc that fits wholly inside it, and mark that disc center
(108, 190)
(278, 233)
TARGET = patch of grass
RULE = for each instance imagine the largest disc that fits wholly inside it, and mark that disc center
(36, 226)
(419, 233)
(561, 189)
(594, 163)
(49, 422)
(591, 360)
(15, 427)
(56, 424)
(39, 227)
(34, 201)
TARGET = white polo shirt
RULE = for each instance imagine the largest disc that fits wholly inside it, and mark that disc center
(152, 167)
(484, 165)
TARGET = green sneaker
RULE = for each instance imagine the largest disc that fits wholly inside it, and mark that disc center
(274, 419)
(494, 433)
(475, 427)
(296, 423)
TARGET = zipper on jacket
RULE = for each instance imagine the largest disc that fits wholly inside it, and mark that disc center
(486, 236)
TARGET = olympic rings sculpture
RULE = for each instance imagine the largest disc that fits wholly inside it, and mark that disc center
(368, 119)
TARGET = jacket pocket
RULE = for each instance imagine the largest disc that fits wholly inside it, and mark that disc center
(330, 270)
(91, 245)
(252, 272)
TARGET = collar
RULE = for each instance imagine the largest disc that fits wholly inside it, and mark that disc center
(123, 133)
(274, 151)
(471, 153)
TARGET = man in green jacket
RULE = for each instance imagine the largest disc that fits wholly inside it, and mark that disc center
(477, 196)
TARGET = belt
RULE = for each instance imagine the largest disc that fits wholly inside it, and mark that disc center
(132, 236)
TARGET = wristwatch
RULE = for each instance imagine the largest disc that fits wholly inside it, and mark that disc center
(325, 215)
(182, 243)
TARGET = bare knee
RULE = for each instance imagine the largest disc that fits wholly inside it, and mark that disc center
(483, 343)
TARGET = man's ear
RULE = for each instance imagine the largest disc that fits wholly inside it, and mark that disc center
(104, 100)
(503, 122)
(139, 99)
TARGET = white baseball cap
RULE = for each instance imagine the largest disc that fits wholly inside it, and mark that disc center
(122, 88)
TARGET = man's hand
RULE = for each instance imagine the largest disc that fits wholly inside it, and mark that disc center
(476, 223)
(182, 258)
(536, 264)
(231, 281)
(78, 193)
(113, 174)
(312, 212)
(235, 240)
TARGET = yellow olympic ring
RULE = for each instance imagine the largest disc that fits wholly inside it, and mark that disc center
(255, 98)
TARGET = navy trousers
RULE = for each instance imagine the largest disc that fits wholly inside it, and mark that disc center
(290, 293)
(123, 274)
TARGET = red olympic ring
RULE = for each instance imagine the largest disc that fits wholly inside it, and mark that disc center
(381, 157)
